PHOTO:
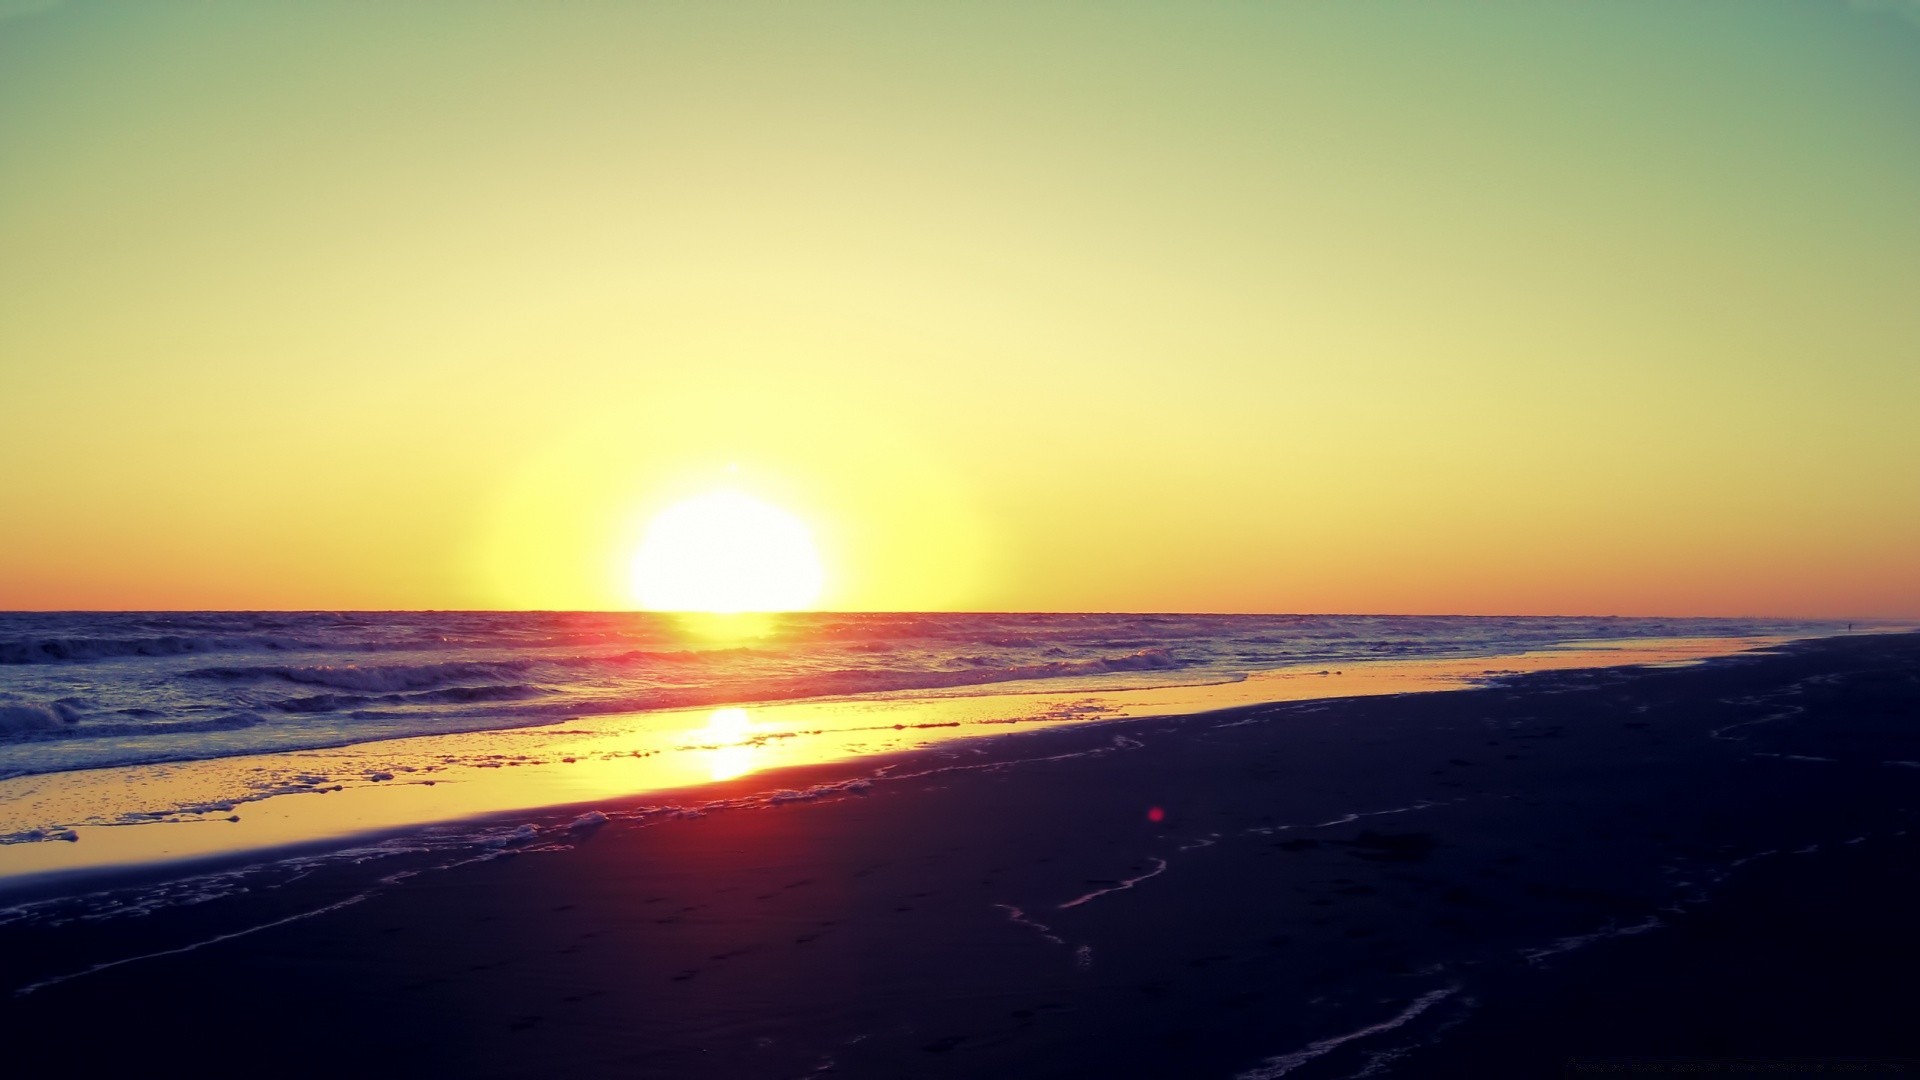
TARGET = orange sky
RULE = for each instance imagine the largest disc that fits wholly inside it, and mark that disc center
(1120, 307)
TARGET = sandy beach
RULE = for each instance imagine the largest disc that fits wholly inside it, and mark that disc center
(1563, 871)
(762, 541)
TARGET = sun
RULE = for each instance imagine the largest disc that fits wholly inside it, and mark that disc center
(727, 552)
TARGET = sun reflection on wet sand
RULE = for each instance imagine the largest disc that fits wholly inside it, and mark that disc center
(728, 749)
(127, 815)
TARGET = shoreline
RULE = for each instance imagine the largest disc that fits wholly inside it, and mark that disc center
(1329, 887)
(210, 811)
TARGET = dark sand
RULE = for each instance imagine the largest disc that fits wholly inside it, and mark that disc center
(1619, 872)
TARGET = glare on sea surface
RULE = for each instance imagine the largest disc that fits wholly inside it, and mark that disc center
(727, 552)
(727, 734)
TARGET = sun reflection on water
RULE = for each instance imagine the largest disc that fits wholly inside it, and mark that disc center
(728, 628)
(727, 742)
(393, 784)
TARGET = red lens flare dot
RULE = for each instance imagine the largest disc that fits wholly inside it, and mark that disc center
(1156, 814)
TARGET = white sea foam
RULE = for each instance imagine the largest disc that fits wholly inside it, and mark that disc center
(191, 947)
(1381, 1062)
(90, 690)
(1350, 817)
(519, 835)
(1782, 710)
(21, 717)
(1579, 941)
(1159, 867)
(1019, 918)
(1282, 1064)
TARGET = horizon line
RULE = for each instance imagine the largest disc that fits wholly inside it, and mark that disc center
(948, 611)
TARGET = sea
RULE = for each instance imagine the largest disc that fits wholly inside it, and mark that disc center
(181, 779)
(94, 690)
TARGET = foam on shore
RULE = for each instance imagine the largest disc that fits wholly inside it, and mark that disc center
(141, 814)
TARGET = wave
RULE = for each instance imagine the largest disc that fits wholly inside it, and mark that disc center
(55, 650)
(503, 674)
(657, 656)
(31, 722)
(847, 682)
(378, 678)
(19, 718)
(371, 678)
(453, 695)
(313, 679)
(396, 691)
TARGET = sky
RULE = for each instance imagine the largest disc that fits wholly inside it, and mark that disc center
(1377, 307)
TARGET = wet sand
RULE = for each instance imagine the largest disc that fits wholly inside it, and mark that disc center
(129, 815)
(1532, 879)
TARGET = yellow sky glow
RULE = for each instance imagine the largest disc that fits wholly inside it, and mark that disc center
(1392, 308)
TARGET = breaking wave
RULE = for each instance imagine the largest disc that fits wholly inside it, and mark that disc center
(82, 690)
(54, 650)
(367, 677)
(26, 718)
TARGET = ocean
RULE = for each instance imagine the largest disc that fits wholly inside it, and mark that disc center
(964, 814)
(91, 690)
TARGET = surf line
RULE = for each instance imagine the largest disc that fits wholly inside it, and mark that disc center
(97, 968)
(1159, 867)
(1282, 1064)
(1019, 918)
